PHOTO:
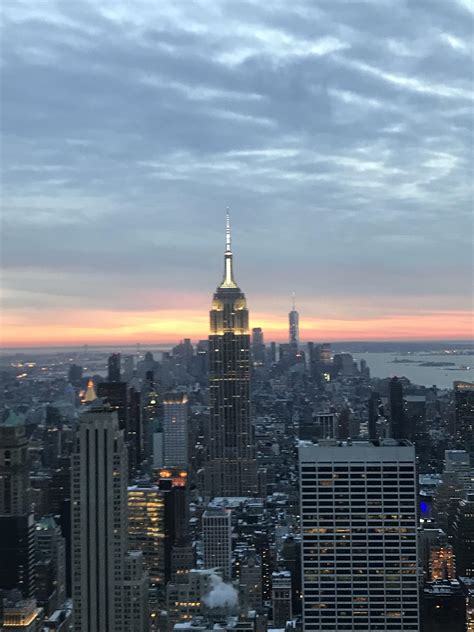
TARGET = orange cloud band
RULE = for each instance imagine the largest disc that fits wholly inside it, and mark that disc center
(169, 326)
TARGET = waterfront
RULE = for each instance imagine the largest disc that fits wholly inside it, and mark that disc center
(410, 365)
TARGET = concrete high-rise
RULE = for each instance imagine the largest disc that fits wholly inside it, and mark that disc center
(99, 522)
(232, 467)
(175, 430)
(359, 534)
(217, 540)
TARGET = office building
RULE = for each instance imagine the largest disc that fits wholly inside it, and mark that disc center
(464, 412)
(99, 522)
(17, 529)
(217, 540)
(258, 347)
(250, 579)
(373, 414)
(442, 563)
(463, 536)
(135, 590)
(51, 565)
(175, 430)
(281, 598)
(232, 468)
(443, 607)
(113, 368)
(173, 483)
(398, 425)
(359, 536)
(146, 529)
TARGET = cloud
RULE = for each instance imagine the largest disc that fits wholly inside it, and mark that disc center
(339, 134)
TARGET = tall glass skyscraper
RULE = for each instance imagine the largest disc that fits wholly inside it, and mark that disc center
(232, 469)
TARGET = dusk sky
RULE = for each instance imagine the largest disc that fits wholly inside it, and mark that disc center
(338, 132)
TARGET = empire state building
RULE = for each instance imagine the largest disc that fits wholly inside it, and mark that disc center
(232, 468)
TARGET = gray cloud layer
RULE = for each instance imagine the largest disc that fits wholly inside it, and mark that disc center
(340, 134)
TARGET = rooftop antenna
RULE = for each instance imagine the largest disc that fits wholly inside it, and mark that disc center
(227, 231)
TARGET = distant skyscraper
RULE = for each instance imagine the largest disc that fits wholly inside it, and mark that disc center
(398, 421)
(258, 346)
(374, 414)
(232, 469)
(17, 528)
(175, 430)
(114, 367)
(359, 532)
(294, 325)
(99, 522)
(217, 540)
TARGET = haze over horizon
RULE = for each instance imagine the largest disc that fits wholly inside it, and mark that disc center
(340, 135)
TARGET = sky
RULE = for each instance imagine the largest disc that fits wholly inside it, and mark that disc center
(338, 132)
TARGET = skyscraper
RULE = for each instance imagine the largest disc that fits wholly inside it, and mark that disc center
(398, 419)
(359, 533)
(464, 403)
(175, 430)
(294, 325)
(232, 468)
(146, 529)
(17, 527)
(99, 522)
(113, 365)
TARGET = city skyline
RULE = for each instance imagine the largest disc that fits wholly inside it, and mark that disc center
(344, 158)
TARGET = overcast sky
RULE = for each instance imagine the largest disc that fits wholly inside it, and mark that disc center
(339, 132)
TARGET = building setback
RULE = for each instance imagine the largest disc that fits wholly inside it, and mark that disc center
(232, 469)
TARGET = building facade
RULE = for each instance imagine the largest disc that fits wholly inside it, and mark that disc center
(359, 535)
(175, 430)
(217, 540)
(99, 522)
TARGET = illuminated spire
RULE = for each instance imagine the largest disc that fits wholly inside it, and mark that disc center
(90, 395)
(228, 280)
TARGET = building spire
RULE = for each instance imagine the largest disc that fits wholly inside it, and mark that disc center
(228, 280)
(293, 302)
(227, 231)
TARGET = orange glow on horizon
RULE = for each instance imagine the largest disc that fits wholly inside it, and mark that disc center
(98, 327)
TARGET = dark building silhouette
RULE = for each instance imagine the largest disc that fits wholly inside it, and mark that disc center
(174, 485)
(75, 374)
(17, 527)
(258, 346)
(398, 423)
(443, 607)
(114, 368)
(374, 408)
